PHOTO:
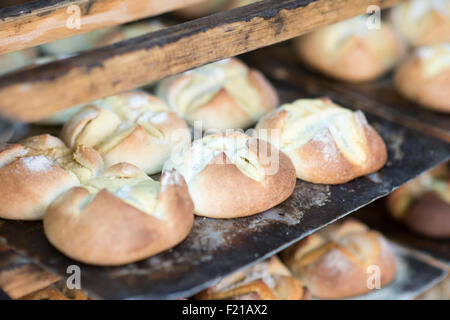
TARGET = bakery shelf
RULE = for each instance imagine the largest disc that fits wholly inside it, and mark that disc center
(216, 248)
(136, 62)
(378, 97)
(19, 277)
(18, 24)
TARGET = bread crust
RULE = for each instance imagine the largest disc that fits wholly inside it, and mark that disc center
(321, 160)
(240, 286)
(35, 172)
(107, 231)
(214, 192)
(423, 204)
(119, 139)
(222, 111)
(336, 266)
(429, 92)
(428, 30)
(356, 59)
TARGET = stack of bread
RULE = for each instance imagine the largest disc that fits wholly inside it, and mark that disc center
(99, 169)
(363, 49)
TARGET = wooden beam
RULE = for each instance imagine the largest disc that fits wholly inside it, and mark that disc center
(33, 94)
(39, 22)
(20, 277)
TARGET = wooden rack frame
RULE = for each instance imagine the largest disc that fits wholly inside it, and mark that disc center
(33, 94)
(39, 22)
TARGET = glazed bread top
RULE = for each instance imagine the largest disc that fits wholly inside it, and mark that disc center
(111, 119)
(40, 153)
(267, 280)
(422, 22)
(265, 271)
(435, 59)
(351, 238)
(191, 91)
(133, 186)
(309, 119)
(355, 32)
(192, 160)
(133, 127)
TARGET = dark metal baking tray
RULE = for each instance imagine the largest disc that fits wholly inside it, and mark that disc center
(216, 248)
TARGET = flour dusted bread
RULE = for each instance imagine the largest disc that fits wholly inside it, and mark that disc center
(132, 127)
(37, 170)
(422, 22)
(267, 280)
(350, 51)
(232, 175)
(326, 143)
(120, 217)
(424, 78)
(333, 263)
(221, 95)
(423, 204)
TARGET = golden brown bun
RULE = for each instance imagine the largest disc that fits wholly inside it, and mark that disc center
(268, 280)
(424, 78)
(121, 217)
(422, 22)
(132, 127)
(423, 204)
(37, 170)
(350, 51)
(215, 165)
(326, 143)
(222, 95)
(333, 263)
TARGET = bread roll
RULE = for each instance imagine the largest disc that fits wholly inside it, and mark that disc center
(232, 175)
(121, 217)
(423, 204)
(422, 22)
(222, 95)
(132, 127)
(267, 280)
(37, 170)
(424, 78)
(350, 51)
(334, 263)
(327, 143)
